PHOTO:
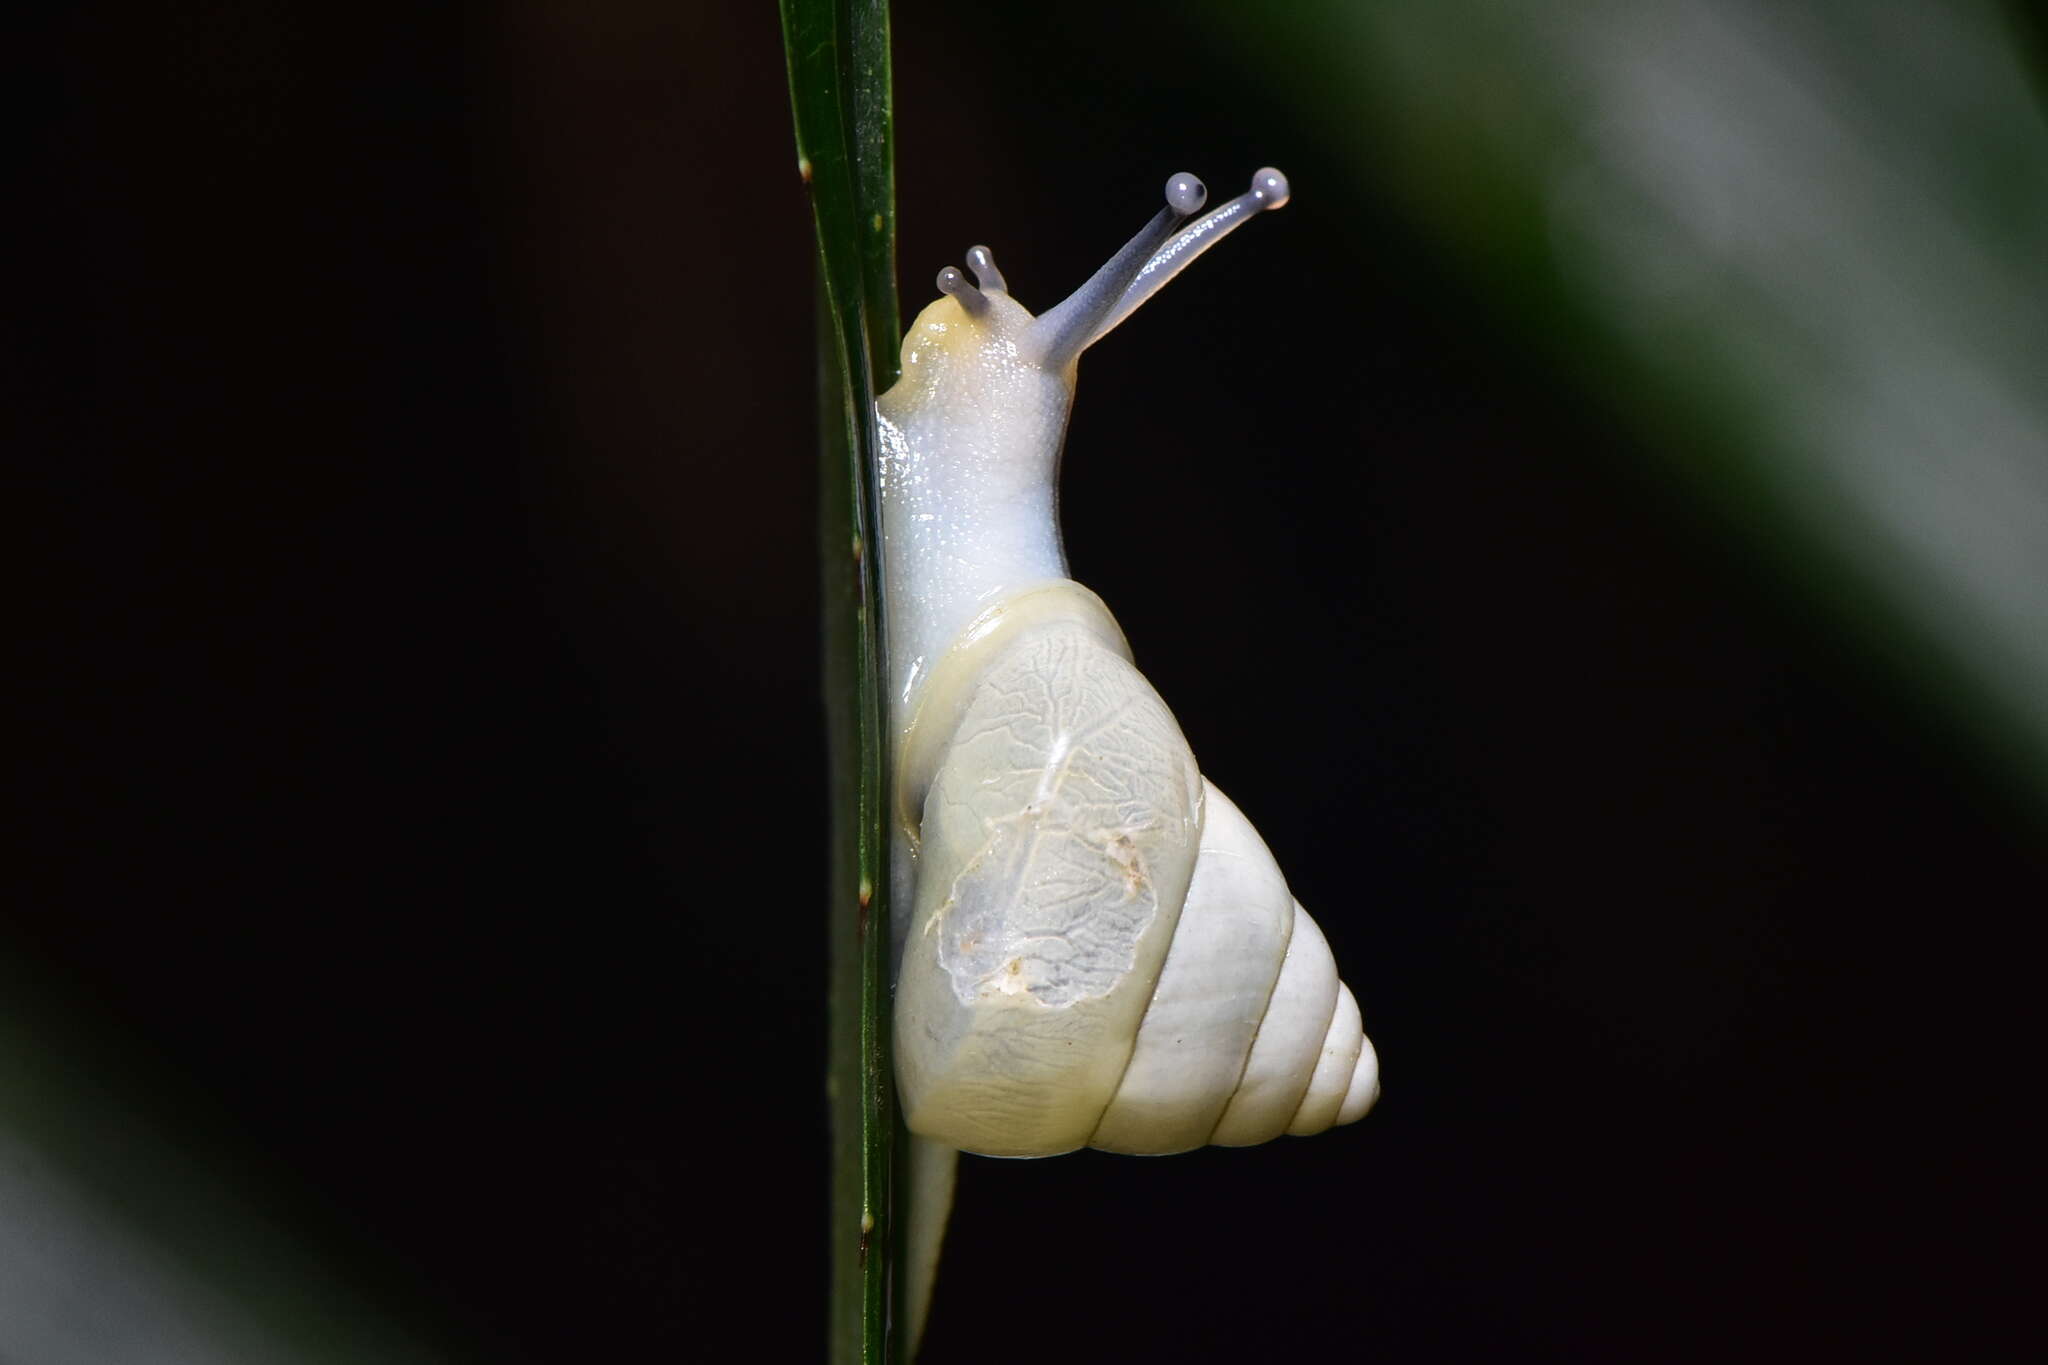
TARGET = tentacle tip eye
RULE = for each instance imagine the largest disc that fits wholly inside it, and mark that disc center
(1269, 187)
(1185, 193)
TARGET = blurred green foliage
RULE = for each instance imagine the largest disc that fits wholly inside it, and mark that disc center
(1801, 251)
(122, 1239)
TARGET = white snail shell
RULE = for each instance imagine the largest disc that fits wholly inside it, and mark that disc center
(1095, 946)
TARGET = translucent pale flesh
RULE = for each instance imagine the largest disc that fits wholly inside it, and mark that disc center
(1290, 1042)
(931, 1167)
(1212, 992)
(1318, 1109)
(1057, 844)
(970, 447)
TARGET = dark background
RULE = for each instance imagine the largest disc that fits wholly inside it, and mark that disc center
(425, 759)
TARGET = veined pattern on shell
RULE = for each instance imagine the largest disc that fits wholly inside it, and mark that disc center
(1083, 788)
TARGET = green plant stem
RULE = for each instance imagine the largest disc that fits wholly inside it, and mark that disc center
(838, 54)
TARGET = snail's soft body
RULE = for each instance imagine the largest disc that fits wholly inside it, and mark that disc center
(1095, 948)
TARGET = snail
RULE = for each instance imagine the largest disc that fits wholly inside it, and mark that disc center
(1093, 946)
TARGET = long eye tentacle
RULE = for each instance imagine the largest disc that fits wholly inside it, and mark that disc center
(1065, 330)
(1153, 257)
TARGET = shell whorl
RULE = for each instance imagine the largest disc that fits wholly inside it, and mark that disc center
(1101, 950)
(1250, 1034)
